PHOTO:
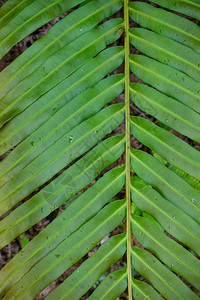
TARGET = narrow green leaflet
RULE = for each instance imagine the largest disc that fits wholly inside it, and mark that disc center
(141, 290)
(188, 178)
(168, 80)
(75, 24)
(170, 112)
(62, 227)
(167, 145)
(189, 7)
(167, 51)
(172, 218)
(65, 255)
(58, 67)
(7, 9)
(111, 287)
(75, 143)
(165, 282)
(81, 108)
(21, 20)
(61, 189)
(77, 284)
(166, 23)
(39, 112)
(168, 251)
(167, 183)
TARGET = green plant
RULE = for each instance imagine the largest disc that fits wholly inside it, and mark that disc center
(52, 113)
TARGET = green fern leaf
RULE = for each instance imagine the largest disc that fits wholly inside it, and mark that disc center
(128, 221)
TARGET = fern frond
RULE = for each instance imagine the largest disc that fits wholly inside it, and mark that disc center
(60, 147)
